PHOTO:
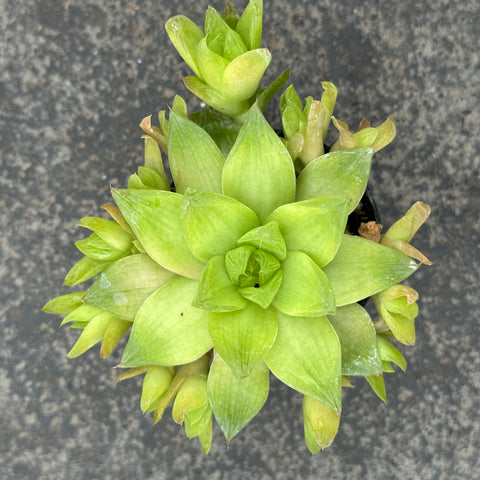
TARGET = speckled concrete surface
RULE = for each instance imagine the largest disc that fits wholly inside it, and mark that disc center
(76, 78)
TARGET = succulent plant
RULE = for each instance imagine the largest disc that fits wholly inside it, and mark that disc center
(241, 263)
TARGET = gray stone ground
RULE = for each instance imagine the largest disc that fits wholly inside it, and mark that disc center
(76, 78)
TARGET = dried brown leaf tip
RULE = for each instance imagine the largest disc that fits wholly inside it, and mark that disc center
(371, 231)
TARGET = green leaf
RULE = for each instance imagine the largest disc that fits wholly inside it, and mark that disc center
(215, 290)
(385, 133)
(212, 223)
(306, 356)
(256, 274)
(236, 263)
(362, 268)
(109, 231)
(405, 228)
(221, 38)
(267, 238)
(243, 74)
(291, 109)
(265, 94)
(155, 384)
(153, 159)
(305, 289)
(167, 330)
(191, 396)
(126, 284)
(243, 337)
(211, 65)
(377, 383)
(96, 248)
(329, 97)
(195, 160)
(249, 27)
(263, 294)
(357, 336)
(235, 401)
(82, 314)
(205, 438)
(154, 217)
(215, 98)
(343, 173)
(320, 424)
(92, 334)
(185, 36)
(197, 421)
(388, 353)
(230, 15)
(64, 304)
(112, 335)
(259, 171)
(314, 227)
(151, 179)
(313, 135)
(221, 128)
(397, 308)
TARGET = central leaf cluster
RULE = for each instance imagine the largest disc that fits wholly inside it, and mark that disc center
(255, 271)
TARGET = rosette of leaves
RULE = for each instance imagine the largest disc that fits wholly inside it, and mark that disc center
(244, 270)
(226, 57)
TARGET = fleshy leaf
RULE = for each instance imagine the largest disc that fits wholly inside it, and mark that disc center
(153, 159)
(243, 337)
(243, 74)
(212, 223)
(235, 401)
(64, 304)
(185, 36)
(221, 38)
(313, 134)
(249, 26)
(314, 227)
(329, 97)
(385, 134)
(191, 396)
(357, 336)
(397, 308)
(126, 284)
(306, 356)
(215, 98)
(155, 384)
(259, 171)
(154, 217)
(109, 231)
(305, 289)
(82, 314)
(114, 332)
(320, 424)
(362, 268)
(267, 238)
(215, 290)
(92, 334)
(389, 353)
(96, 248)
(403, 230)
(343, 173)
(265, 94)
(167, 330)
(267, 280)
(212, 66)
(221, 128)
(377, 382)
(194, 158)
(236, 262)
